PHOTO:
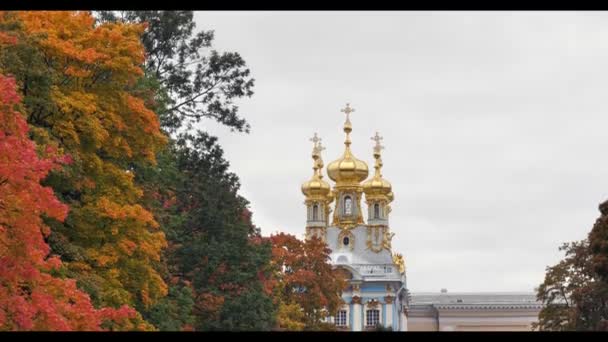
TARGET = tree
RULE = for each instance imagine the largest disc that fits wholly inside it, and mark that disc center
(79, 84)
(302, 277)
(598, 243)
(200, 82)
(32, 295)
(212, 246)
(217, 248)
(574, 294)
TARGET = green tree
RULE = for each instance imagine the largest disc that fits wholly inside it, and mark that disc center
(200, 82)
(598, 243)
(219, 249)
(574, 293)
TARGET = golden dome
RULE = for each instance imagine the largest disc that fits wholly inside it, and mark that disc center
(378, 185)
(347, 169)
(316, 186)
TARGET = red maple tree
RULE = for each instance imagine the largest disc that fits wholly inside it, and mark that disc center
(31, 297)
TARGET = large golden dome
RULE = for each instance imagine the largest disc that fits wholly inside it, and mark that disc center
(347, 169)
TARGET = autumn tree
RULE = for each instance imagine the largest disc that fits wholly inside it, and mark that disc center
(574, 293)
(306, 288)
(212, 254)
(80, 84)
(32, 295)
(200, 82)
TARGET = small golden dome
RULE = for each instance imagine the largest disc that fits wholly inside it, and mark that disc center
(316, 186)
(377, 185)
(347, 169)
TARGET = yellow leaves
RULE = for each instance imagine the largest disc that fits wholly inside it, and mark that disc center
(117, 211)
(290, 317)
(78, 266)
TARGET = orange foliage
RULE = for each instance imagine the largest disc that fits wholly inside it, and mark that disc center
(31, 298)
(95, 117)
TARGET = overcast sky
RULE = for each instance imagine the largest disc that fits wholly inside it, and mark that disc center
(495, 126)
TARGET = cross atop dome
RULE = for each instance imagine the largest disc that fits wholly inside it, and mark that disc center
(347, 110)
(315, 139)
(377, 138)
(320, 147)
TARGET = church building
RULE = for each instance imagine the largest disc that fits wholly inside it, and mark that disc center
(377, 295)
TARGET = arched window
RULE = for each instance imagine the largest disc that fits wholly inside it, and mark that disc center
(348, 206)
(376, 210)
(315, 212)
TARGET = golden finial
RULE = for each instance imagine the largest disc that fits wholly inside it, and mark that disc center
(315, 143)
(347, 110)
(316, 186)
(347, 125)
(377, 138)
(377, 148)
(315, 139)
(320, 149)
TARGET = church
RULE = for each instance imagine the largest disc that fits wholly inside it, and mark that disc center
(377, 295)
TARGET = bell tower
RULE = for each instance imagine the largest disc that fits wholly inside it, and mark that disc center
(348, 172)
(318, 195)
(378, 195)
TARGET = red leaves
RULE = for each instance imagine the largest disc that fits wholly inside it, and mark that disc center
(31, 298)
(303, 276)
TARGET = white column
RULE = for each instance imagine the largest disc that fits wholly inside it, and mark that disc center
(403, 321)
(357, 324)
(390, 301)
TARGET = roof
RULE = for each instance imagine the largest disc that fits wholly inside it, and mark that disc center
(479, 298)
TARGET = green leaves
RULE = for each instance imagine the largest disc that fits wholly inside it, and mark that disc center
(574, 293)
(200, 83)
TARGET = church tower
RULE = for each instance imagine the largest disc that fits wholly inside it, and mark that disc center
(377, 293)
(318, 195)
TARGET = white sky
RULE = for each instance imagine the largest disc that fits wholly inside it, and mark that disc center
(495, 126)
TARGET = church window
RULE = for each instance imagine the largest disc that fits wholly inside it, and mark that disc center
(348, 206)
(376, 210)
(372, 318)
(315, 212)
(341, 318)
(346, 241)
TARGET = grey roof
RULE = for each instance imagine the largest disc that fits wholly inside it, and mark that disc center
(480, 298)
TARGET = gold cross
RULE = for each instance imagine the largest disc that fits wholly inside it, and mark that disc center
(315, 139)
(377, 139)
(320, 147)
(347, 110)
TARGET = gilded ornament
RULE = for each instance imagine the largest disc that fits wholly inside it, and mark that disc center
(398, 260)
(372, 303)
